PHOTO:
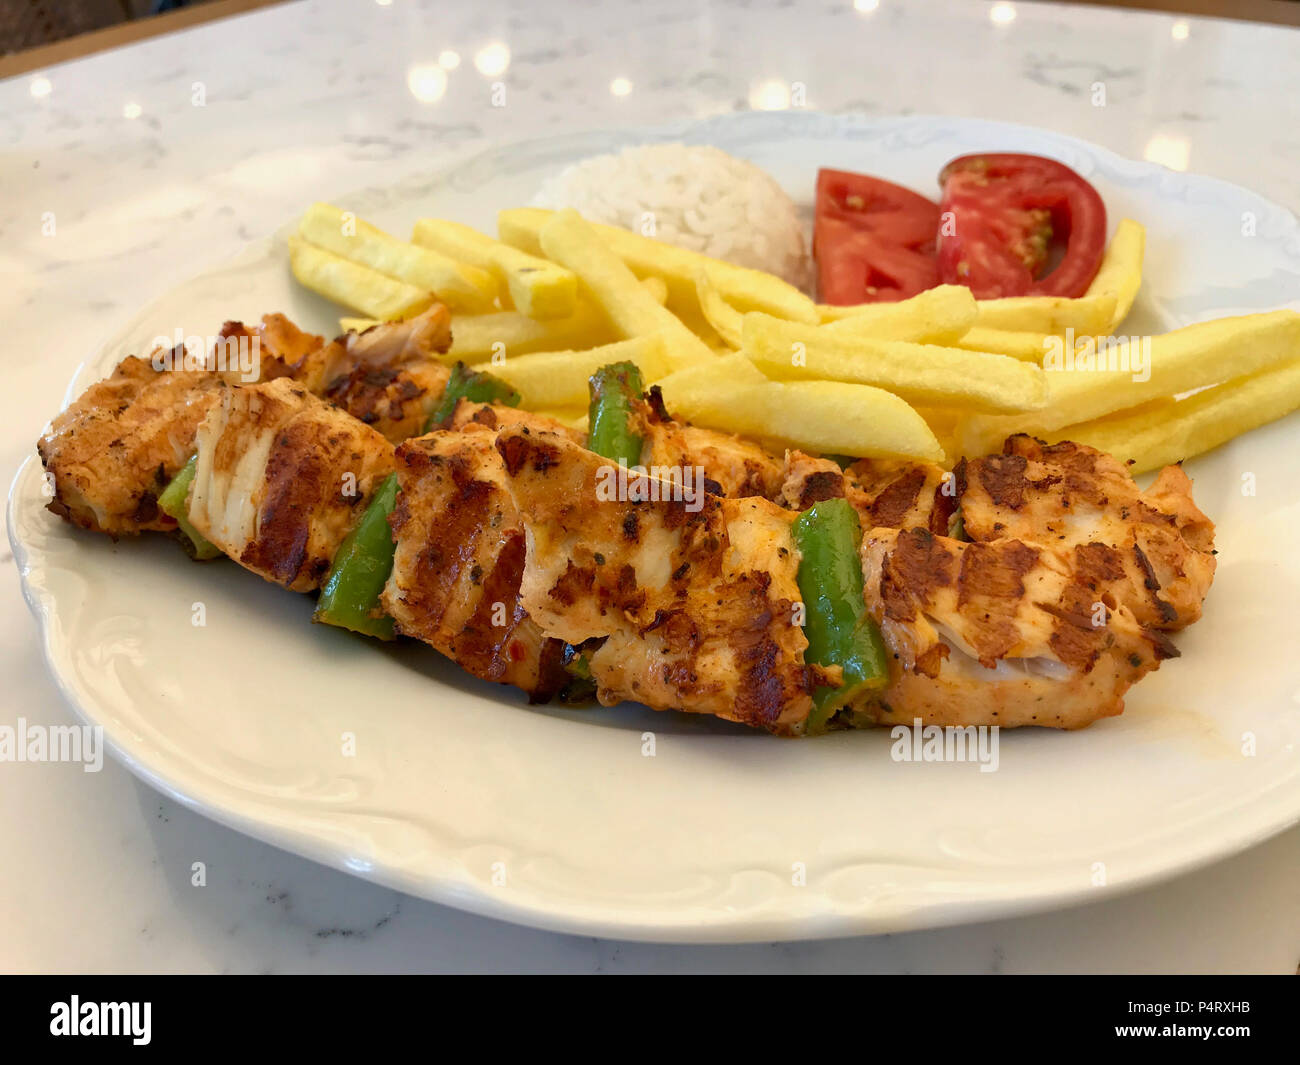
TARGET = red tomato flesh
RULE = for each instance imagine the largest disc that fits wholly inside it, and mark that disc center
(873, 241)
(1002, 217)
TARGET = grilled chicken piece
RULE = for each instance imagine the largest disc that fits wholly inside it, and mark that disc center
(902, 495)
(282, 476)
(737, 467)
(1005, 633)
(395, 401)
(1152, 551)
(459, 560)
(116, 447)
(807, 480)
(693, 598)
(889, 495)
(113, 451)
(388, 376)
(470, 416)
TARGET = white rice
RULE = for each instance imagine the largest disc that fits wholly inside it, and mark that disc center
(695, 197)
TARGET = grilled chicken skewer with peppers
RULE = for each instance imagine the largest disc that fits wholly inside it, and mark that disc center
(791, 594)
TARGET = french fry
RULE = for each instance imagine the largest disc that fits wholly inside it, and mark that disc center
(1188, 358)
(721, 315)
(1089, 315)
(460, 287)
(477, 337)
(559, 378)
(819, 416)
(355, 286)
(1027, 347)
(1096, 313)
(357, 325)
(745, 289)
(1166, 432)
(733, 367)
(937, 316)
(944, 423)
(920, 373)
(538, 288)
(1120, 273)
(631, 310)
(657, 289)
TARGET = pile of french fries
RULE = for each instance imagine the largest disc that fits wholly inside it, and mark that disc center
(553, 297)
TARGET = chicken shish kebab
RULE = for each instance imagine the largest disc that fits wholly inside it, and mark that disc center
(793, 593)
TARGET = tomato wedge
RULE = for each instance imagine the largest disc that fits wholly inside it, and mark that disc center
(1018, 225)
(873, 241)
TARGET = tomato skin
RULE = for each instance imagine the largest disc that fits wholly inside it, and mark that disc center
(1000, 211)
(873, 240)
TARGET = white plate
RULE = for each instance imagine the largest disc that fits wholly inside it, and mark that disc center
(460, 792)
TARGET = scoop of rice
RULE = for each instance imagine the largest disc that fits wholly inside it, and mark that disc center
(695, 197)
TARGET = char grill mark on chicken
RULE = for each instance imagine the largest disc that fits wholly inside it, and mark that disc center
(693, 598)
(459, 561)
(1152, 551)
(281, 478)
(1002, 633)
(115, 448)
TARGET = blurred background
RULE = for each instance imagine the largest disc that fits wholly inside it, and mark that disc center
(36, 33)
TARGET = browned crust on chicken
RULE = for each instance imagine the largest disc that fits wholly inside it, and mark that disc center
(396, 401)
(807, 480)
(693, 598)
(282, 476)
(458, 564)
(1001, 633)
(113, 451)
(736, 467)
(468, 416)
(1160, 561)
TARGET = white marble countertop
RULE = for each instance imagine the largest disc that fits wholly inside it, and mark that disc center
(165, 157)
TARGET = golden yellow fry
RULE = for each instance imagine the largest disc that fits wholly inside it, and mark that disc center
(357, 325)
(824, 417)
(1173, 431)
(538, 288)
(353, 285)
(1120, 273)
(657, 289)
(460, 287)
(509, 333)
(920, 373)
(1089, 314)
(631, 310)
(1145, 369)
(733, 367)
(725, 320)
(559, 378)
(937, 316)
(1027, 347)
(745, 289)
(944, 423)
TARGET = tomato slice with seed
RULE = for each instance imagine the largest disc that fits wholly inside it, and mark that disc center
(1018, 225)
(873, 240)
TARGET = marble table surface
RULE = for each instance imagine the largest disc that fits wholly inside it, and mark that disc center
(159, 159)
